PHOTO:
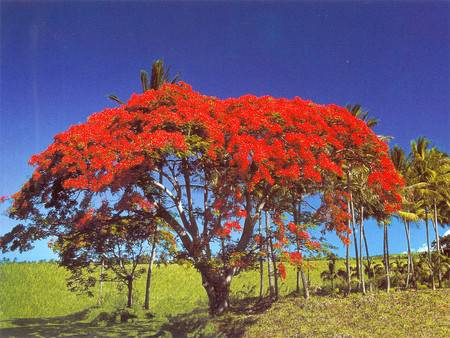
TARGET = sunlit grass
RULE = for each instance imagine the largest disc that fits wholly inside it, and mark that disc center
(380, 314)
(34, 300)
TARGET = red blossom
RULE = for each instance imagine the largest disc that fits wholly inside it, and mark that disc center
(282, 270)
(233, 225)
(241, 213)
(295, 258)
(314, 245)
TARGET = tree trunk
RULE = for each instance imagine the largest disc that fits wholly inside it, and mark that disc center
(305, 284)
(149, 274)
(297, 281)
(369, 264)
(297, 212)
(309, 274)
(347, 268)
(408, 241)
(438, 244)
(269, 271)
(261, 261)
(347, 258)
(433, 286)
(413, 274)
(386, 258)
(352, 209)
(269, 255)
(275, 269)
(130, 291)
(272, 258)
(438, 240)
(100, 291)
(360, 263)
(217, 286)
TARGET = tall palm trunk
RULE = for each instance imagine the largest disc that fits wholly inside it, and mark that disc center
(270, 270)
(353, 222)
(347, 257)
(275, 269)
(148, 282)
(347, 267)
(369, 263)
(261, 262)
(438, 244)
(413, 274)
(299, 272)
(149, 273)
(358, 272)
(433, 286)
(360, 263)
(410, 274)
(297, 275)
(386, 257)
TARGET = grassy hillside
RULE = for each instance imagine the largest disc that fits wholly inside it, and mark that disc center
(31, 290)
(397, 314)
(34, 300)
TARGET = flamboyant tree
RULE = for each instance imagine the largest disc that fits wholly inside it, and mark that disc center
(222, 163)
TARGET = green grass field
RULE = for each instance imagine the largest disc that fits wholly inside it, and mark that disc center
(34, 301)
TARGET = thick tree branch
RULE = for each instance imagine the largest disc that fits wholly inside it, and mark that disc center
(187, 180)
(169, 219)
(250, 220)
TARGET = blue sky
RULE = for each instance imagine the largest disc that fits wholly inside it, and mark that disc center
(60, 60)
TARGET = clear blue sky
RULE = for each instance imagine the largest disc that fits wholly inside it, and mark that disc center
(60, 60)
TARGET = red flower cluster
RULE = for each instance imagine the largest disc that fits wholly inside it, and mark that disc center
(298, 231)
(295, 258)
(233, 225)
(282, 270)
(260, 141)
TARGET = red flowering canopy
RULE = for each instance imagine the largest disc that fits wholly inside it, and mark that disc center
(205, 166)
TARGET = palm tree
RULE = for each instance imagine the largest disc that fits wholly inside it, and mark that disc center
(364, 195)
(357, 112)
(367, 205)
(403, 164)
(439, 190)
(160, 75)
(431, 173)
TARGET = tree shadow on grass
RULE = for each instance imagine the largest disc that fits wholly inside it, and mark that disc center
(77, 324)
(196, 323)
(199, 324)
